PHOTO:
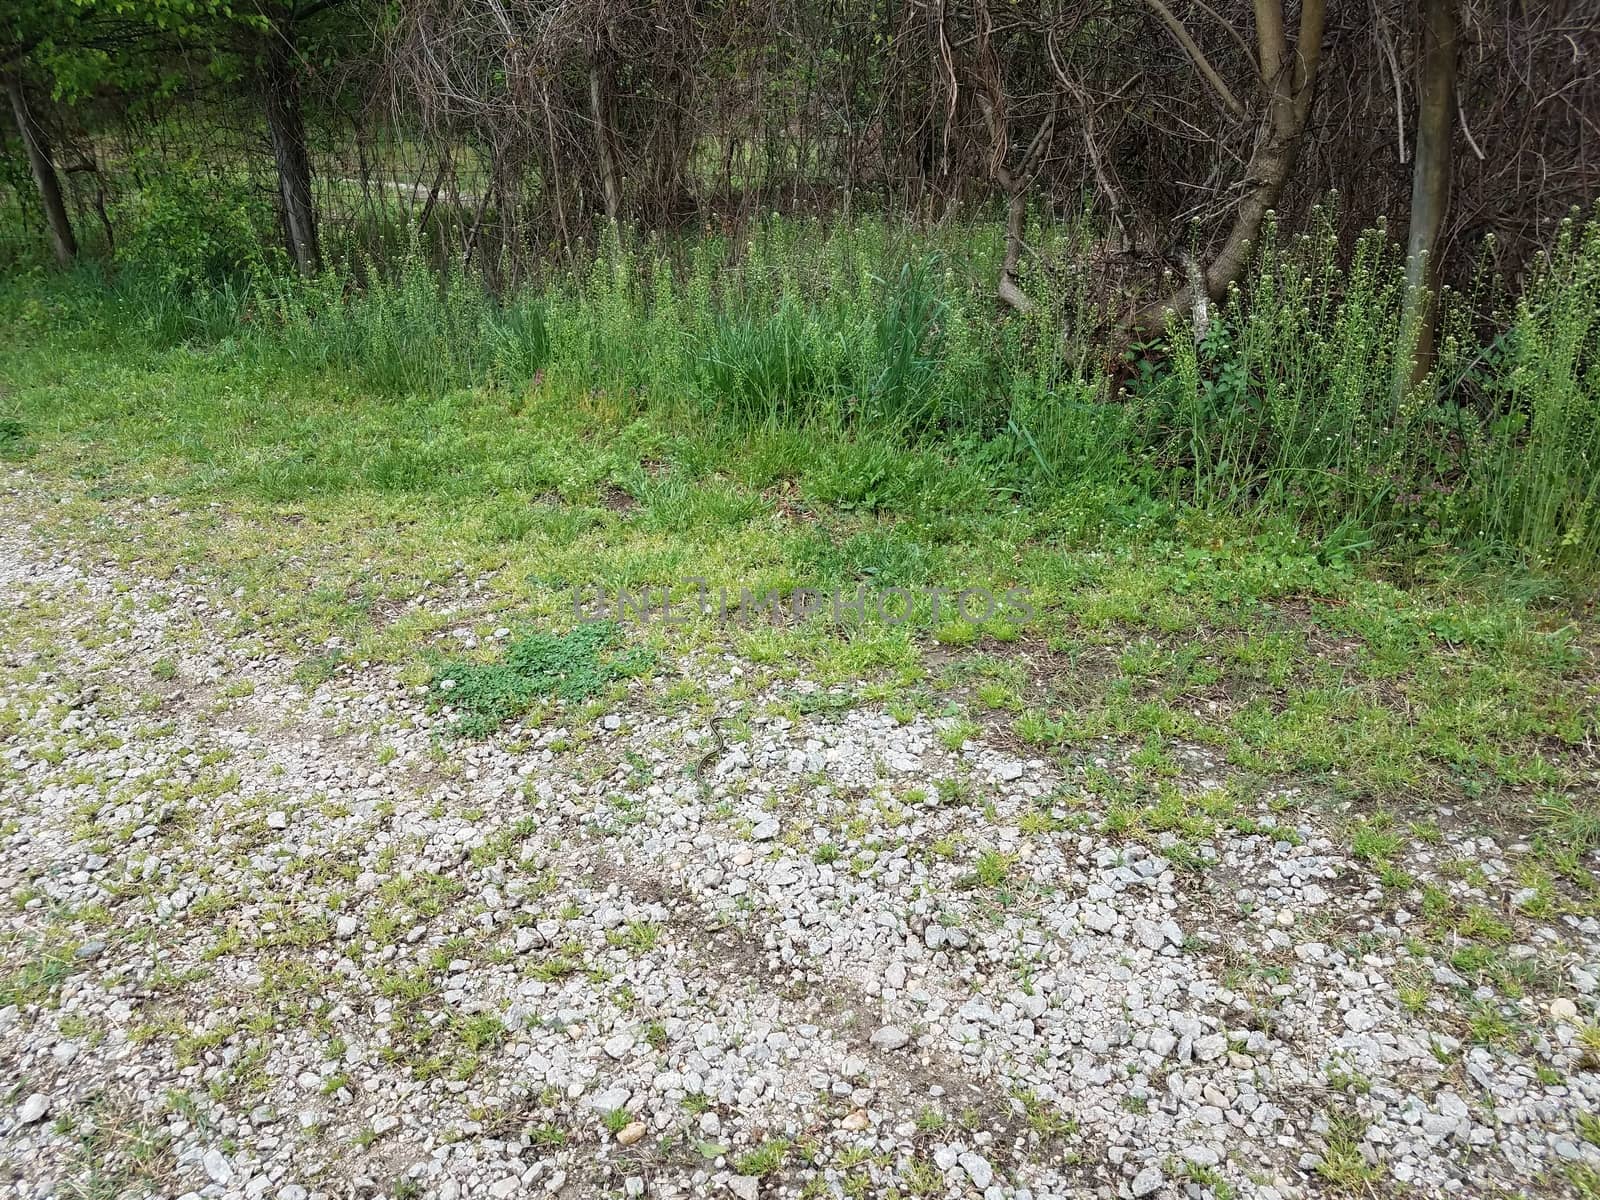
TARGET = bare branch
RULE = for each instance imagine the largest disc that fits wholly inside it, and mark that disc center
(1197, 56)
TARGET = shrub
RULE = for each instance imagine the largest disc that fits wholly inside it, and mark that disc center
(186, 232)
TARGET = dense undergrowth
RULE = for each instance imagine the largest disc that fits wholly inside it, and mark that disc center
(1252, 546)
(880, 350)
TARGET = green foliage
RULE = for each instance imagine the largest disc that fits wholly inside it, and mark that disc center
(83, 45)
(908, 351)
(1289, 401)
(184, 232)
(1290, 405)
(404, 335)
(13, 440)
(571, 666)
(1532, 479)
(767, 368)
(881, 344)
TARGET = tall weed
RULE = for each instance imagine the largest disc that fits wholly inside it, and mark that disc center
(1532, 473)
(889, 338)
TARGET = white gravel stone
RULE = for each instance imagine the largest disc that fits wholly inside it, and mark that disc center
(977, 1168)
(217, 1166)
(1147, 1182)
(890, 1037)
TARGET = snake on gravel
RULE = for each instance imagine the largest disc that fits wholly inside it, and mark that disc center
(719, 746)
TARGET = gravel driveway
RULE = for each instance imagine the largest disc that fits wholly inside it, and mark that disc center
(267, 939)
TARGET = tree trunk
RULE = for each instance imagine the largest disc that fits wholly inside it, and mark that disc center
(433, 193)
(1007, 290)
(989, 90)
(1291, 83)
(1430, 181)
(1290, 80)
(281, 96)
(604, 140)
(668, 150)
(44, 173)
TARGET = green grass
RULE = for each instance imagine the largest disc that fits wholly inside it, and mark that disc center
(572, 666)
(1343, 1166)
(579, 435)
(764, 1159)
(858, 366)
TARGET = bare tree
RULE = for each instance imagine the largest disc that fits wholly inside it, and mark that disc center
(1183, 122)
(1287, 77)
(1431, 174)
(280, 94)
(45, 179)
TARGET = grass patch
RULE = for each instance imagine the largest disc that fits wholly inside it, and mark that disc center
(331, 502)
(572, 666)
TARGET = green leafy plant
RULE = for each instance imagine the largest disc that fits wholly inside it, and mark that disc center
(571, 666)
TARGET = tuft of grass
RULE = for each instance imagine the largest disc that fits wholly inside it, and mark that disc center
(1589, 1128)
(992, 868)
(764, 1159)
(573, 666)
(481, 1032)
(1375, 840)
(640, 937)
(14, 444)
(1343, 1165)
(1044, 1118)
